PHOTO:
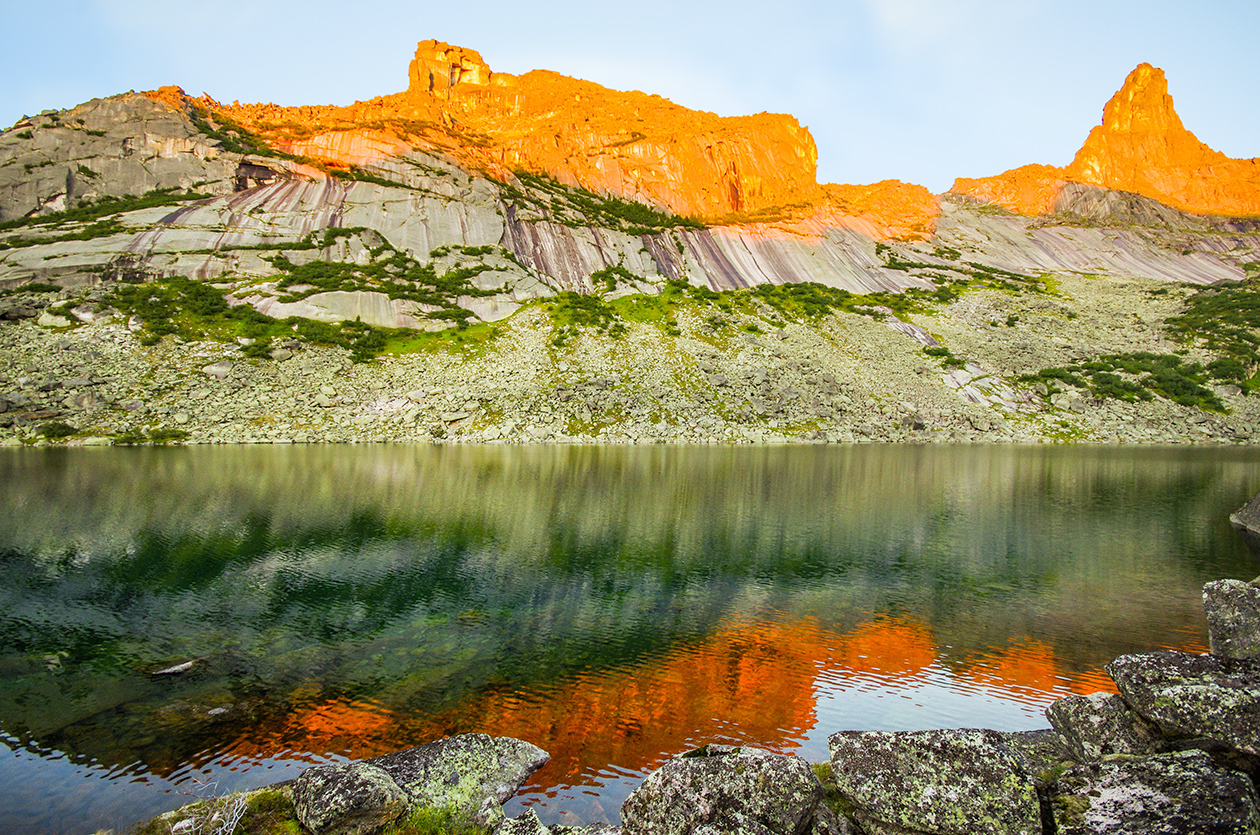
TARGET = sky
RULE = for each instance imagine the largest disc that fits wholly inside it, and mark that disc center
(918, 90)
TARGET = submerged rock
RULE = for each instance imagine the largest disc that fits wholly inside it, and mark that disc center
(955, 782)
(720, 790)
(1233, 615)
(1194, 696)
(1168, 794)
(1101, 724)
(350, 799)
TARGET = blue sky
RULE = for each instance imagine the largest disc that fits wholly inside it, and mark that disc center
(919, 90)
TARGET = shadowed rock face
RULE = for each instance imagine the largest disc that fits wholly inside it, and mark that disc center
(1162, 795)
(1101, 725)
(1140, 147)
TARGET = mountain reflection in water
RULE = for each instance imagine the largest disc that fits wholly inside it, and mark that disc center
(612, 605)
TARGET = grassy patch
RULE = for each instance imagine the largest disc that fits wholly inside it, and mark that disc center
(571, 312)
(429, 821)
(188, 309)
(1140, 375)
(835, 801)
(947, 358)
(1224, 318)
(953, 278)
(95, 209)
(573, 206)
(611, 276)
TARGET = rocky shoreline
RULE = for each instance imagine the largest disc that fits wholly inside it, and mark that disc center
(1176, 751)
(847, 378)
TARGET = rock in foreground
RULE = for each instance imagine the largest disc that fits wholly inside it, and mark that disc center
(1194, 696)
(471, 775)
(715, 789)
(961, 782)
(1233, 616)
(1171, 794)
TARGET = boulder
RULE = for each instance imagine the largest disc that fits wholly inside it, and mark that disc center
(1194, 696)
(472, 774)
(1167, 794)
(219, 370)
(1233, 616)
(348, 799)
(957, 782)
(1247, 517)
(717, 789)
(525, 824)
(1101, 724)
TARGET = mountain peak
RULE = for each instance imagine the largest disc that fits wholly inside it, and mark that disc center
(1141, 147)
(1142, 103)
(440, 66)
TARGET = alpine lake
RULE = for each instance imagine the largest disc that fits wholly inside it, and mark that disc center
(179, 622)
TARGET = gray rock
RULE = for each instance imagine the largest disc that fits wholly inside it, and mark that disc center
(281, 354)
(1101, 724)
(1247, 517)
(473, 774)
(17, 312)
(348, 799)
(51, 320)
(1233, 616)
(1192, 696)
(1038, 751)
(219, 370)
(1169, 794)
(958, 782)
(525, 824)
(727, 790)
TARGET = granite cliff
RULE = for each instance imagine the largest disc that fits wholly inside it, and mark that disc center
(665, 273)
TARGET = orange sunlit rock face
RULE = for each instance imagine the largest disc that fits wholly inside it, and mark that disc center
(1140, 147)
(629, 144)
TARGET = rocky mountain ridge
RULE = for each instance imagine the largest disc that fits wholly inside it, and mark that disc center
(504, 240)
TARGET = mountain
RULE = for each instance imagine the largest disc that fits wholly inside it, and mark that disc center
(1140, 147)
(485, 256)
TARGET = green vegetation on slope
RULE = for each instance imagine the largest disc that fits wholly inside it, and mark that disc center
(1224, 318)
(106, 206)
(572, 206)
(1139, 375)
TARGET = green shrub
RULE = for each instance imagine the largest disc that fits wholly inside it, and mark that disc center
(57, 429)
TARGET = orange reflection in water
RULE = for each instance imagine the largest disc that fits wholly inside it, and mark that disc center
(748, 682)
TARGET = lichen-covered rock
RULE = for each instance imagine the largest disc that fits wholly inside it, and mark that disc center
(1167, 794)
(1101, 724)
(958, 782)
(473, 774)
(523, 824)
(348, 799)
(1233, 615)
(736, 790)
(1191, 696)
(1037, 751)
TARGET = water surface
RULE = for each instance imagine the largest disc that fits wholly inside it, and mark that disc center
(612, 605)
